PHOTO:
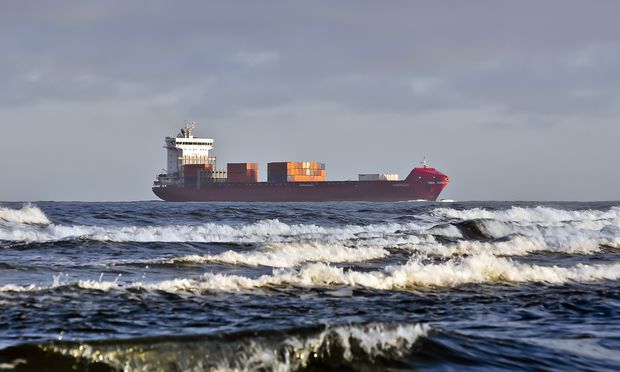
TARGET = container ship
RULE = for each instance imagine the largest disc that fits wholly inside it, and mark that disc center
(192, 175)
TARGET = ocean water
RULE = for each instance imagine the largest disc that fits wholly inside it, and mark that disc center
(334, 286)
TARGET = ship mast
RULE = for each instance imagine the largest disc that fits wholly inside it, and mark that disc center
(189, 127)
(424, 163)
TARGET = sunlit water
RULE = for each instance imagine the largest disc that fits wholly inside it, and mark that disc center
(358, 286)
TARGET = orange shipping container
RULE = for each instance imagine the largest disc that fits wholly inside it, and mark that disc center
(296, 171)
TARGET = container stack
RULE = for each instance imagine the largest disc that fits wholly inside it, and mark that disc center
(242, 172)
(296, 172)
(193, 172)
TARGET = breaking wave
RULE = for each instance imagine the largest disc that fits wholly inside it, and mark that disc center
(511, 232)
(418, 273)
(538, 214)
(532, 229)
(285, 255)
(346, 346)
(481, 269)
(18, 288)
(28, 214)
(515, 246)
(262, 231)
(81, 291)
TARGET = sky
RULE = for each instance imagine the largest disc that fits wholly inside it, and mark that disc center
(514, 100)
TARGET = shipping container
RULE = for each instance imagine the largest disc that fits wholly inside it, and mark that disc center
(305, 179)
(241, 166)
(238, 177)
(296, 172)
(195, 170)
(242, 172)
(379, 177)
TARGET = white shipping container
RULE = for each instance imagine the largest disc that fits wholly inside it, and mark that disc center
(379, 177)
(369, 177)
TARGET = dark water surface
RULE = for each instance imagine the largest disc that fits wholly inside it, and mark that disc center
(349, 286)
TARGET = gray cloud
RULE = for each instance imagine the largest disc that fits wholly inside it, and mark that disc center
(459, 81)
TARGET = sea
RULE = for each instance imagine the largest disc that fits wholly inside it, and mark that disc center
(446, 286)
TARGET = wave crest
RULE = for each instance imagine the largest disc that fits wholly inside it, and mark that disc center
(286, 255)
(415, 274)
(262, 231)
(28, 214)
(335, 347)
(538, 214)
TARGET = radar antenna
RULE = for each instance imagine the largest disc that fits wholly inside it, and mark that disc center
(189, 126)
(424, 163)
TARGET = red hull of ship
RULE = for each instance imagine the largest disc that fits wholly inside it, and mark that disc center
(421, 184)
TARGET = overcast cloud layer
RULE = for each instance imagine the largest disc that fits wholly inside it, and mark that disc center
(514, 100)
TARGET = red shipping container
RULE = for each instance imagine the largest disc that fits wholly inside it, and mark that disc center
(191, 170)
(242, 172)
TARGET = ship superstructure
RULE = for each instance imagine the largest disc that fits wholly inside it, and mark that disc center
(192, 175)
(184, 150)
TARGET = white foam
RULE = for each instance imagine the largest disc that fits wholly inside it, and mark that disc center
(374, 340)
(18, 288)
(27, 214)
(417, 273)
(567, 237)
(516, 246)
(287, 255)
(486, 268)
(480, 269)
(498, 229)
(13, 365)
(262, 231)
(531, 215)
(448, 231)
(295, 352)
(99, 285)
(543, 229)
(293, 244)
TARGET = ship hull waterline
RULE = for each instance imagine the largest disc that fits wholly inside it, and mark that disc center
(377, 191)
